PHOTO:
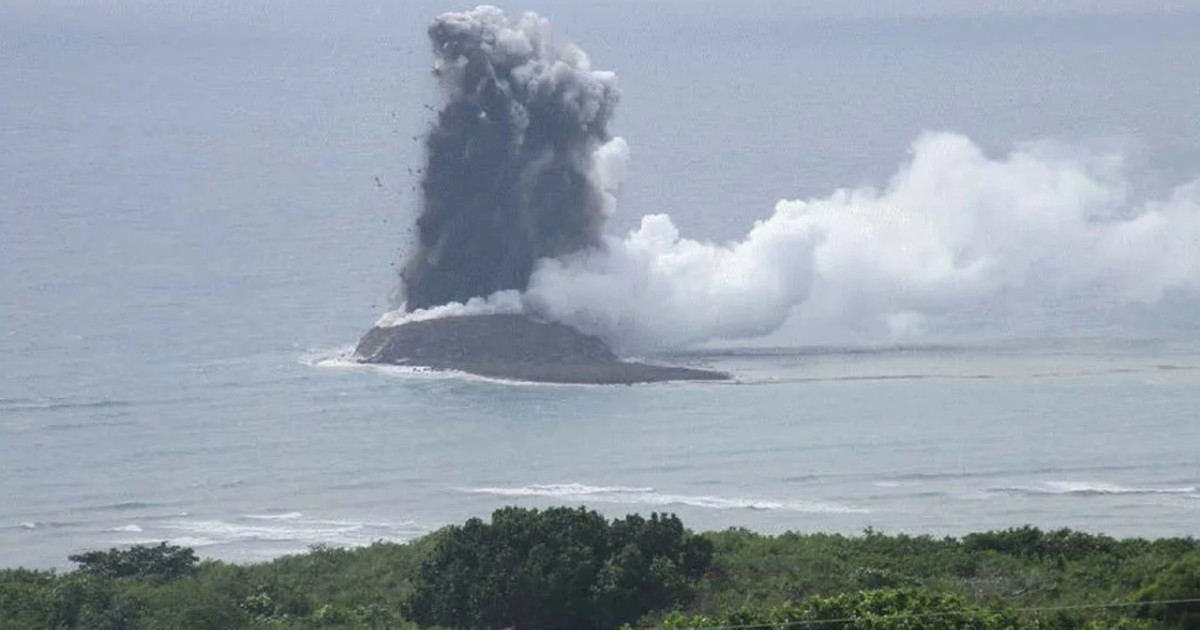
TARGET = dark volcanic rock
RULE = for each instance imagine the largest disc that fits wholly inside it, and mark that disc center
(513, 347)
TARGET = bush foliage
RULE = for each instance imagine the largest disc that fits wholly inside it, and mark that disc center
(558, 568)
(1174, 593)
(161, 563)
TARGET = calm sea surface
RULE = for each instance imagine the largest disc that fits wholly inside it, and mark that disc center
(201, 211)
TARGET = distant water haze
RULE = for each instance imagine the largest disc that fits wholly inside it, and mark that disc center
(203, 208)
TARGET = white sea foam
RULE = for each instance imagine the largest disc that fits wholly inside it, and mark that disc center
(340, 357)
(650, 496)
(564, 490)
(1093, 488)
(285, 516)
(195, 542)
(347, 362)
(344, 360)
(290, 527)
(1087, 487)
(132, 528)
(39, 525)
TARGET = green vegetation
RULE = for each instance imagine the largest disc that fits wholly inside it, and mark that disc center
(561, 568)
(573, 569)
(161, 563)
(1171, 591)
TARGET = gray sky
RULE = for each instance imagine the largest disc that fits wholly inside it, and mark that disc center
(886, 8)
(858, 8)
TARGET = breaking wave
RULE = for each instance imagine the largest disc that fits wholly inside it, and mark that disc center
(28, 405)
(30, 526)
(651, 497)
(290, 528)
(1090, 488)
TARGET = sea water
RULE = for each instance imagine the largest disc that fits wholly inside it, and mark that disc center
(202, 210)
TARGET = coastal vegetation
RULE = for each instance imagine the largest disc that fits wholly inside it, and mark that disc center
(571, 568)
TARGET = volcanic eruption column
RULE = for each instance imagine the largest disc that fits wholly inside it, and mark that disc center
(520, 178)
(509, 174)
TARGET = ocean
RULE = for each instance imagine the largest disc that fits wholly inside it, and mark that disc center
(202, 208)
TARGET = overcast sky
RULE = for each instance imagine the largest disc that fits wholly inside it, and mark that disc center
(881, 8)
(986, 7)
(396, 18)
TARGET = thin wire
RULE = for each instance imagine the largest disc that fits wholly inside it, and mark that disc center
(946, 613)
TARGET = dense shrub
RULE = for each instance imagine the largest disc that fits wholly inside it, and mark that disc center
(1175, 592)
(899, 609)
(896, 609)
(558, 568)
(1031, 542)
(160, 563)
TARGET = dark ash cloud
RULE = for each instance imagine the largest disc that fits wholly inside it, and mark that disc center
(508, 173)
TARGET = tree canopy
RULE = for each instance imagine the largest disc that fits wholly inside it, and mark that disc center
(558, 568)
(160, 563)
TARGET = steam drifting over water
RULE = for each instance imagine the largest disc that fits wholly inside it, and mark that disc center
(522, 174)
(955, 232)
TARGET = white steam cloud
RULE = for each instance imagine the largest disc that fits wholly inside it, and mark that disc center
(954, 231)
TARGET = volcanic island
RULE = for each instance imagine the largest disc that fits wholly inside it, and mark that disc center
(516, 348)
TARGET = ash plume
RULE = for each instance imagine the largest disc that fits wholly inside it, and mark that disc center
(509, 176)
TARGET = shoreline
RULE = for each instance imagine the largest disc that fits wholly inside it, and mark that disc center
(424, 538)
(514, 348)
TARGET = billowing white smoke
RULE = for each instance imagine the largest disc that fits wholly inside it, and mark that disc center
(953, 232)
